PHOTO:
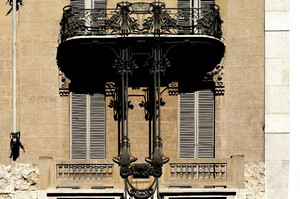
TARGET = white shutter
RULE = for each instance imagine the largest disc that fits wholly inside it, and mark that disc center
(187, 126)
(79, 127)
(97, 126)
(205, 124)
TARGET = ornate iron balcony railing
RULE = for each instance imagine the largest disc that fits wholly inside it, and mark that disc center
(141, 19)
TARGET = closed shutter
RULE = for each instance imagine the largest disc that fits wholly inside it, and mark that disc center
(205, 124)
(194, 3)
(79, 126)
(187, 125)
(97, 126)
(184, 4)
(100, 4)
(207, 2)
(82, 4)
(77, 4)
(196, 131)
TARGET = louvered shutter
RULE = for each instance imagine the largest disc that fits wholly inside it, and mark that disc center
(207, 2)
(100, 4)
(97, 126)
(205, 124)
(79, 127)
(77, 4)
(187, 126)
(196, 3)
(184, 4)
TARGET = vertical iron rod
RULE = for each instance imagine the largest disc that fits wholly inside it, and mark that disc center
(123, 98)
(14, 67)
(150, 119)
(154, 98)
(158, 89)
(126, 100)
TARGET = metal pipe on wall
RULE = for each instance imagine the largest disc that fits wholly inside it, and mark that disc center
(14, 67)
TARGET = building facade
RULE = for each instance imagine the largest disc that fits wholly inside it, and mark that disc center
(222, 142)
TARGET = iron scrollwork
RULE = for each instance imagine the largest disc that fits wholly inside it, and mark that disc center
(209, 22)
(160, 22)
(128, 18)
(121, 22)
(18, 4)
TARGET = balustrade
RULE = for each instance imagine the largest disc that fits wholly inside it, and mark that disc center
(198, 171)
(206, 172)
(84, 171)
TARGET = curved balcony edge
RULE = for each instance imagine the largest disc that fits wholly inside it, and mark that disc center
(135, 19)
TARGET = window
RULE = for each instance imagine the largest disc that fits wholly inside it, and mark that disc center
(88, 4)
(196, 124)
(194, 3)
(87, 126)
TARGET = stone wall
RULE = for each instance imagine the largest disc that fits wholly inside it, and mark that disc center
(255, 180)
(19, 181)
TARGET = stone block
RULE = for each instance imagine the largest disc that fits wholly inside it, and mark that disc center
(277, 123)
(241, 114)
(276, 147)
(277, 5)
(277, 72)
(277, 99)
(276, 45)
(277, 173)
(277, 20)
(281, 193)
(45, 168)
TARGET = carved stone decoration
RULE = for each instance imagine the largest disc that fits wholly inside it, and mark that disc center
(64, 85)
(217, 76)
(173, 89)
(110, 89)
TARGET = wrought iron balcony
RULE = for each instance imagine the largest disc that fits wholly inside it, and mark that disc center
(141, 19)
(91, 42)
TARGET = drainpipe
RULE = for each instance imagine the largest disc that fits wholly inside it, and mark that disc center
(14, 68)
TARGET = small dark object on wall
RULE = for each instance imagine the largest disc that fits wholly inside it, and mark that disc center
(10, 2)
(15, 145)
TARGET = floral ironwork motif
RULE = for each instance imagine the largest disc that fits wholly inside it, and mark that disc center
(128, 18)
(209, 22)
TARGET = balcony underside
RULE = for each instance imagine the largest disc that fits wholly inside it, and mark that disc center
(87, 60)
